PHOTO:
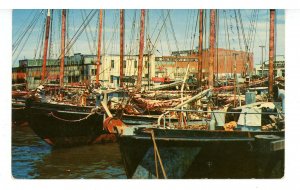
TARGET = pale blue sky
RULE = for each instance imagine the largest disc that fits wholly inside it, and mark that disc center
(183, 22)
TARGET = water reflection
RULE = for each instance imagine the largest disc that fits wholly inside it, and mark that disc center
(33, 158)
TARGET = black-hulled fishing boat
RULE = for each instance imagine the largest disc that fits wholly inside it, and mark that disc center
(64, 116)
(63, 125)
(18, 112)
(202, 154)
(19, 95)
(248, 145)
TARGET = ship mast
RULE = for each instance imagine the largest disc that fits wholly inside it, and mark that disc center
(271, 52)
(141, 50)
(200, 47)
(99, 46)
(62, 58)
(211, 49)
(46, 46)
(121, 45)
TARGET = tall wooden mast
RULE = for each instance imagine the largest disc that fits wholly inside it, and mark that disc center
(121, 45)
(211, 49)
(200, 47)
(271, 52)
(99, 46)
(62, 57)
(141, 51)
(46, 46)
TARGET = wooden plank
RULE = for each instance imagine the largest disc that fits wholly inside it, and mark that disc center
(166, 85)
(198, 96)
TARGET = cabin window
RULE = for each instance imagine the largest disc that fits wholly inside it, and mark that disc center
(93, 71)
(112, 64)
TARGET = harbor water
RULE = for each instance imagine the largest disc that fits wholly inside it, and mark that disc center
(32, 158)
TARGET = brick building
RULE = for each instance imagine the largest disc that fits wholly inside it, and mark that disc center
(174, 66)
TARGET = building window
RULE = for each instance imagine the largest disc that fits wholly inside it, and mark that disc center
(124, 64)
(93, 71)
(112, 64)
(283, 73)
(135, 63)
(146, 64)
(111, 78)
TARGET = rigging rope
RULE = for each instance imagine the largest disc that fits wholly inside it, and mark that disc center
(86, 34)
(173, 32)
(76, 36)
(25, 42)
(21, 36)
(40, 40)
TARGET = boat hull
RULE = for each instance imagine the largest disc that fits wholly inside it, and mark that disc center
(18, 113)
(64, 125)
(200, 154)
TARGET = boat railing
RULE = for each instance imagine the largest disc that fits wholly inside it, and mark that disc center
(167, 115)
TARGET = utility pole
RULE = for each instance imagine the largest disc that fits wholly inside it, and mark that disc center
(262, 60)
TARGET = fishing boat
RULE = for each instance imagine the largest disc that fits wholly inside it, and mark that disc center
(190, 153)
(240, 142)
(244, 142)
(19, 95)
(53, 113)
(63, 125)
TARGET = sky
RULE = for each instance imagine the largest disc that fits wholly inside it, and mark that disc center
(168, 30)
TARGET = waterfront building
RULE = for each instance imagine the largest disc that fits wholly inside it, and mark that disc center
(174, 66)
(81, 68)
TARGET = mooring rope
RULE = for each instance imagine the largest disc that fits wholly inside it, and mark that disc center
(158, 156)
(78, 120)
(156, 165)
